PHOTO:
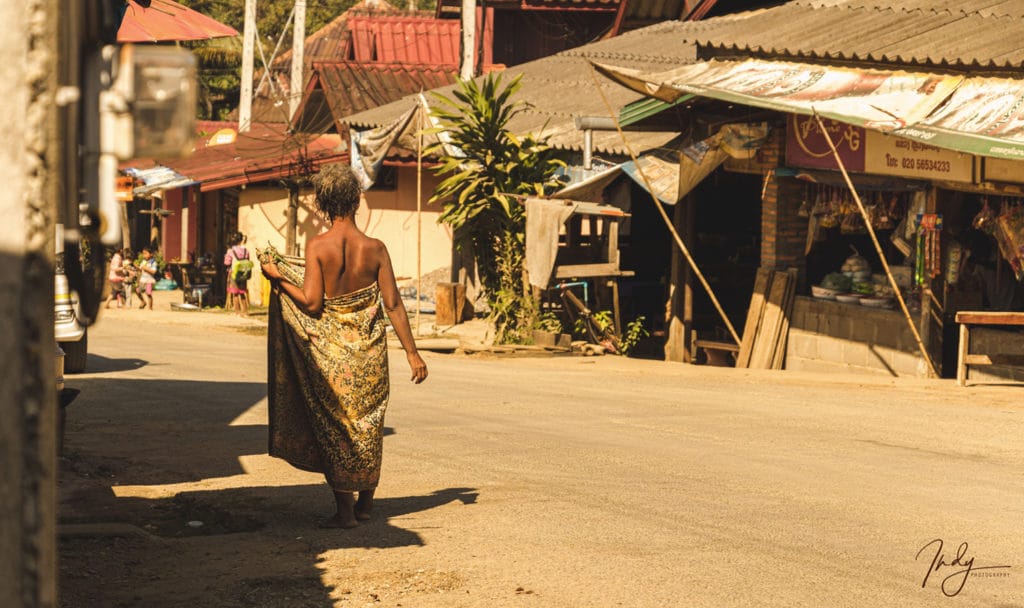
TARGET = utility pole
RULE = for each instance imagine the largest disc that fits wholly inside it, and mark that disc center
(468, 69)
(298, 58)
(248, 48)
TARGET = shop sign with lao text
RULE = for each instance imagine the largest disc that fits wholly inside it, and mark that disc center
(866, 151)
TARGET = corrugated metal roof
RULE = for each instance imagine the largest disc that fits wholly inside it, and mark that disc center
(560, 87)
(166, 20)
(404, 39)
(637, 13)
(980, 33)
(332, 42)
(264, 153)
(339, 89)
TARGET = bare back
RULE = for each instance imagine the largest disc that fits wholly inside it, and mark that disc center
(348, 259)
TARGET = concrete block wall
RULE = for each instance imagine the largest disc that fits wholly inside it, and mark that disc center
(833, 337)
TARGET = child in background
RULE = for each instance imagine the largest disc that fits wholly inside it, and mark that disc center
(115, 278)
(148, 269)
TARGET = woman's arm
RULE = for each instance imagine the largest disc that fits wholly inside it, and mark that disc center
(310, 299)
(399, 318)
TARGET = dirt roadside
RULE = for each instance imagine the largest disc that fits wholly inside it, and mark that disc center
(504, 483)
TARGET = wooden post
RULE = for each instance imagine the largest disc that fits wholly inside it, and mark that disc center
(925, 322)
(961, 358)
(292, 220)
(419, 215)
(677, 343)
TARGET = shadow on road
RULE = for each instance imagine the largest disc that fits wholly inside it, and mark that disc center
(144, 452)
(99, 364)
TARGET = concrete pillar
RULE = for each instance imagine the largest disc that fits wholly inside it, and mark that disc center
(28, 161)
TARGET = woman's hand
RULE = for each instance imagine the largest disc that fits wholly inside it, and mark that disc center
(270, 271)
(419, 368)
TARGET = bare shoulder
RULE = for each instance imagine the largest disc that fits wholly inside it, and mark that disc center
(372, 246)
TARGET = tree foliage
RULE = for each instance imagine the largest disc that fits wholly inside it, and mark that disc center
(481, 195)
(220, 60)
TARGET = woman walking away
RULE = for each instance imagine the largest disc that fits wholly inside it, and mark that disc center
(239, 269)
(328, 385)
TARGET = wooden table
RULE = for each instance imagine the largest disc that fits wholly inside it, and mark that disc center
(966, 319)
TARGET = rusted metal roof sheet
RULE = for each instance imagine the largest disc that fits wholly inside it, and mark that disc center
(561, 87)
(165, 21)
(338, 89)
(981, 33)
(264, 153)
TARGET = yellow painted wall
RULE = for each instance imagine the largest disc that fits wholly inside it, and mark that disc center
(391, 217)
(387, 215)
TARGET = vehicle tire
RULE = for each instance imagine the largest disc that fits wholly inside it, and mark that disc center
(75, 355)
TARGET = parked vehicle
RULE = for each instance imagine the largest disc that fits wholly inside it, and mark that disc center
(71, 334)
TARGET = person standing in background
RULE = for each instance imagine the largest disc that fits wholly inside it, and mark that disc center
(239, 266)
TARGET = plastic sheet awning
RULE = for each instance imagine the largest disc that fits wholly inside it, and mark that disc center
(983, 116)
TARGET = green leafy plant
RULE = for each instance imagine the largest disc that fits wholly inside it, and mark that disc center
(635, 332)
(549, 322)
(488, 170)
(632, 335)
(602, 319)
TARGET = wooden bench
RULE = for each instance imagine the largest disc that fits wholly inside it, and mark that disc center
(967, 319)
(719, 354)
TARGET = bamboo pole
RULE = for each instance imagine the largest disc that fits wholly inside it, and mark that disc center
(878, 246)
(419, 216)
(661, 210)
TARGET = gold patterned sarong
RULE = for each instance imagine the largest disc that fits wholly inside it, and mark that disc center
(328, 383)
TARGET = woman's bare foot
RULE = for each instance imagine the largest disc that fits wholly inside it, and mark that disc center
(364, 506)
(345, 517)
(339, 520)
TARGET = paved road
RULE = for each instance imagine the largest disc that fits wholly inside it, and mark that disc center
(557, 482)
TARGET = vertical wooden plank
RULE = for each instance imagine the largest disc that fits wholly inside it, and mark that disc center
(961, 358)
(768, 332)
(762, 283)
(677, 343)
(787, 310)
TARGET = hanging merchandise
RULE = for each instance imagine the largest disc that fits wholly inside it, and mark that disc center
(885, 212)
(928, 264)
(1009, 234)
(918, 203)
(986, 218)
(954, 258)
(831, 216)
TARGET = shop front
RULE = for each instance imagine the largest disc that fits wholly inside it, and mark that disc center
(921, 148)
(950, 235)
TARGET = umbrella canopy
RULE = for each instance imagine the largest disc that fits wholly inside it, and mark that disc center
(165, 20)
